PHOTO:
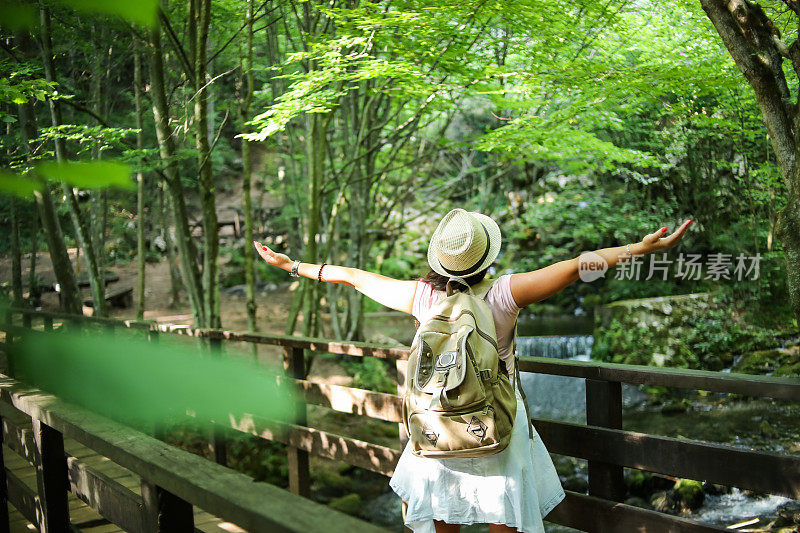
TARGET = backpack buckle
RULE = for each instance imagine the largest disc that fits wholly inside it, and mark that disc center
(486, 374)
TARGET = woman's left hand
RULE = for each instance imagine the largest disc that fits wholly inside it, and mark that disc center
(273, 258)
(656, 241)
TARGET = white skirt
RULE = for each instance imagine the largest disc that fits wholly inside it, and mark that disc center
(516, 487)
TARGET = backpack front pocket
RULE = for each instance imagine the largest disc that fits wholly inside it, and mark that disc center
(445, 377)
(469, 433)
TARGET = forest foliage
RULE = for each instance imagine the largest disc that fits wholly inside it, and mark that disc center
(576, 125)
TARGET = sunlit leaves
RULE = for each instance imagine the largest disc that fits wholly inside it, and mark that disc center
(87, 138)
(14, 90)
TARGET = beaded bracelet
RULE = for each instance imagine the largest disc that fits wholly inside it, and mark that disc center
(319, 274)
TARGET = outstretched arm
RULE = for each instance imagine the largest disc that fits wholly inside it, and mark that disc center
(393, 293)
(529, 287)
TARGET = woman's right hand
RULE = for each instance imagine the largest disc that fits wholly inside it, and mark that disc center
(273, 258)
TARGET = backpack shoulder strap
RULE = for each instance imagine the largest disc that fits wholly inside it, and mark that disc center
(482, 288)
(518, 382)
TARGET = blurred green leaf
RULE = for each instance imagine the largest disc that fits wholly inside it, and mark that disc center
(88, 175)
(135, 381)
(139, 11)
(17, 185)
(17, 17)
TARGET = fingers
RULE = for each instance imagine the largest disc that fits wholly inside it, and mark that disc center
(263, 251)
(653, 238)
(677, 234)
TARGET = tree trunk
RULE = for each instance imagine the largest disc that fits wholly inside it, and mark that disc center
(62, 267)
(166, 143)
(756, 47)
(200, 19)
(169, 244)
(98, 208)
(315, 153)
(247, 175)
(140, 251)
(34, 291)
(82, 233)
(16, 255)
(788, 231)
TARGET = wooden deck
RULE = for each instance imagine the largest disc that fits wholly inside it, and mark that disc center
(83, 517)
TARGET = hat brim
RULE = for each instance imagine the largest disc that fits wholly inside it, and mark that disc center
(495, 241)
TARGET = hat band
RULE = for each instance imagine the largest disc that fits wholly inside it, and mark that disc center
(478, 262)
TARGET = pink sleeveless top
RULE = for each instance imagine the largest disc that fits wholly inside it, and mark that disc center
(504, 311)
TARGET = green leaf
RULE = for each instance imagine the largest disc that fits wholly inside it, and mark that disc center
(88, 175)
(17, 17)
(139, 11)
(17, 185)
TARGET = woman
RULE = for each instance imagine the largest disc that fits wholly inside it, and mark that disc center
(514, 489)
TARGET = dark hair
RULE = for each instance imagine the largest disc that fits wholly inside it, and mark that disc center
(439, 281)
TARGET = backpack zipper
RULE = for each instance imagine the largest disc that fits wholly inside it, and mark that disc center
(467, 312)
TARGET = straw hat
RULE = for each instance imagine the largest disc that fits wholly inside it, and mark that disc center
(464, 243)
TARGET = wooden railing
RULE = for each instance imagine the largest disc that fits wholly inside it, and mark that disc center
(601, 441)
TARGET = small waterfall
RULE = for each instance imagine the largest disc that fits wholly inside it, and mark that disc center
(558, 346)
(555, 397)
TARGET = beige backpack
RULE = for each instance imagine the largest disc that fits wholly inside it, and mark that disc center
(459, 400)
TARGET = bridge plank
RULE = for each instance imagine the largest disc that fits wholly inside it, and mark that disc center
(365, 455)
(103, 494)
(770, 472)
(51, 477)
(21, 496)
(785, 388)
(219, 490)
(588, 513)
(355, 401)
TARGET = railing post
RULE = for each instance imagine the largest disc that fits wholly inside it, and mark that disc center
(604, 408)
(159, 427)
(52, 478)
(218, 445)
(9, 320)
(401, 367)
(48, 323)
(4, 518)
(26, 320)
(299, 476)
(165, 512)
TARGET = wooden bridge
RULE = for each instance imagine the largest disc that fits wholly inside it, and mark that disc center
(118, 478)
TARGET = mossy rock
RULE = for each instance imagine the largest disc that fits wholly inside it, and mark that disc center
(576, 484)
(727, 357)
(664, 501)
(348, 504)
(639, 483)
(330, 482)
(758, 362)
(713, 362)
(715, 489)
(790, 366)
(689, 493)
(767, 430)
(565, 468)
(788, 515)
(676, 406)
